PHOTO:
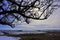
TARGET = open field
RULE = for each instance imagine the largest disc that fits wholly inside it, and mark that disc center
(47, 36)
(40, 36)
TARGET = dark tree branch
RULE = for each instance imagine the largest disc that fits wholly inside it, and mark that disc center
(16, 10)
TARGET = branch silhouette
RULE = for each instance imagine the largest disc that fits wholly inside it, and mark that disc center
(22, 10)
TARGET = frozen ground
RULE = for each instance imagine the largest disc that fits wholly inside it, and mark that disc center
(8, 38)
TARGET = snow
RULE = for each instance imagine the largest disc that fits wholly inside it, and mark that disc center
(9, 38)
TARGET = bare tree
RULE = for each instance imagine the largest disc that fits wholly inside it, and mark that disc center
(24, 10)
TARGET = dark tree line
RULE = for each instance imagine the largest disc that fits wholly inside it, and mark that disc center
(24, 10)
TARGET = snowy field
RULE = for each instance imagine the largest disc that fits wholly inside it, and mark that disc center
(8, 38)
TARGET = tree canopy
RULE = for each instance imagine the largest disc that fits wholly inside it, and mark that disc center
(24, 10)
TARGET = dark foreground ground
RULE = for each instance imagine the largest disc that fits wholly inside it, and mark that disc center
(46, 36)
(41, 36)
